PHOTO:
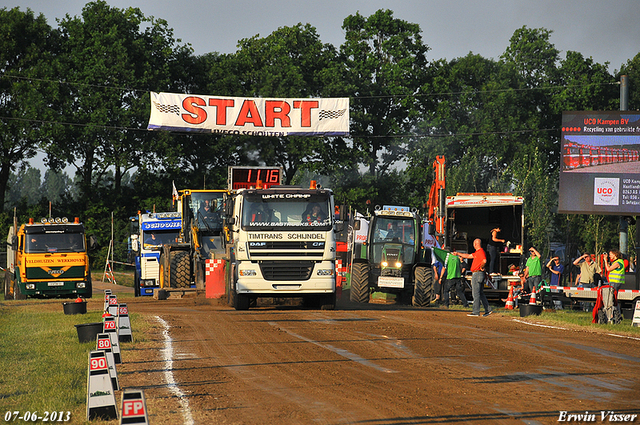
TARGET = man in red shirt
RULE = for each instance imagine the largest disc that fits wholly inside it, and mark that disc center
(477, 279)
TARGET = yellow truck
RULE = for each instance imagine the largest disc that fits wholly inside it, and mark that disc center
(48, 259)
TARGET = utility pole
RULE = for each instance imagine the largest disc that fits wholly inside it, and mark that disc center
(624, 224)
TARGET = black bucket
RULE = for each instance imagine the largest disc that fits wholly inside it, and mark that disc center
(87, 332)
(75, 308)
(530, 309)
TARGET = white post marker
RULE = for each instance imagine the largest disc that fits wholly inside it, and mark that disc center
(134, 407)
(107, 292)
(109, 326)
(636, 315)
(101, 401)
(124, 324)
(103, 343)
(113, 305)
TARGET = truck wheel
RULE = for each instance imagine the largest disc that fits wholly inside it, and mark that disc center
(180, 270)
(241, 302)
(422, 287)
(359, 283)
(321, 302)
(136, 284)
(17, 293)
(328, 302)
(89, 293)
(231, 286)
(8, 292)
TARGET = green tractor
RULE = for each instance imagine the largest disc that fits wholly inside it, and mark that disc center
(392, 260)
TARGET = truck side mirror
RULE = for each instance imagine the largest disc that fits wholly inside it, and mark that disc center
(135, 243)
(228, 208)
(14, 243)
(344, 213)
(356, 225)
(93, 243)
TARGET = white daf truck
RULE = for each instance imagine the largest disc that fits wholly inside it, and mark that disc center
(280, 243)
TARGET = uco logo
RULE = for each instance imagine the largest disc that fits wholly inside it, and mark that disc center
(605, 191)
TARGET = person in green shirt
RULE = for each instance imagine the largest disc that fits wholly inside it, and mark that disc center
(453, 280)
(533, 269)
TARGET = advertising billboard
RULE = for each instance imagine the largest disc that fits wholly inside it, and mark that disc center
(600, 163)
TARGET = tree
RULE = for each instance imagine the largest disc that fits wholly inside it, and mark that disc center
(111, 59)
(24, 187)
(384, 67)
(55, 185)
(290, 62)
(27, 46)
(632, 70)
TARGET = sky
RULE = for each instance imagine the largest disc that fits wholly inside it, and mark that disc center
(606, 31)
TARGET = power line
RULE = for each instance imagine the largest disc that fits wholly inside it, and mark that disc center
(352, 136)
(382, 96)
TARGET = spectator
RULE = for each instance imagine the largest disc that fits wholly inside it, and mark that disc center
(533, 270)
(615, 268)
(588, 270)
(556, 271)
(454, 279)
(494, 246)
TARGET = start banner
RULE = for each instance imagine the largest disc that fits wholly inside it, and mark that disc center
(249, 116)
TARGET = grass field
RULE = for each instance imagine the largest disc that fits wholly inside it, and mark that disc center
(43, 364)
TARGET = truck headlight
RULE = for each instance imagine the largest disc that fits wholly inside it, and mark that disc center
(324, 272)
(81, 285)
(147, 282)
(247, 272)
(30, 286)
(398, 264)
(384, 264)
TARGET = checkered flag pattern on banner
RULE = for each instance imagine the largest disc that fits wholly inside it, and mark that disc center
(167, 109)
(331, 114)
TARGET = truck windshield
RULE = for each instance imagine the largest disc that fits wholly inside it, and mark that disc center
(266, 211)
(54, 242)
(207, 210)
(156, 238)
(388, 231)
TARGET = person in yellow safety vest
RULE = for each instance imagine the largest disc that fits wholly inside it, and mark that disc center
(615, 268)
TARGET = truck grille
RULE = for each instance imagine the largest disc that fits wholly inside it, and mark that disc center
(310, 249)
(286, 270)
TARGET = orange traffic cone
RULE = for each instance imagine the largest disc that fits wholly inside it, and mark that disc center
(509, 304)
(532, 300)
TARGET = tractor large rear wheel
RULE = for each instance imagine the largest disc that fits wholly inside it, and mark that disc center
(180, 270)
(360, 283)
(423, 286)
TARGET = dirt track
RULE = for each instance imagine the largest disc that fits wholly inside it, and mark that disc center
(371, 365)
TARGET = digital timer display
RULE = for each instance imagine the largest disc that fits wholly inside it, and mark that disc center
(247, 177)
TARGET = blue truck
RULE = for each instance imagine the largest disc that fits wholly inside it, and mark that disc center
(150, 231)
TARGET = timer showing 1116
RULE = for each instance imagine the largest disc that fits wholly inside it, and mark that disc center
(246, 177)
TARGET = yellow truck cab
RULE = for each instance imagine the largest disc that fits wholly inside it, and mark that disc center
(48, 259)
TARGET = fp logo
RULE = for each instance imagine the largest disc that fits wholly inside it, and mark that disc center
(605, 191)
